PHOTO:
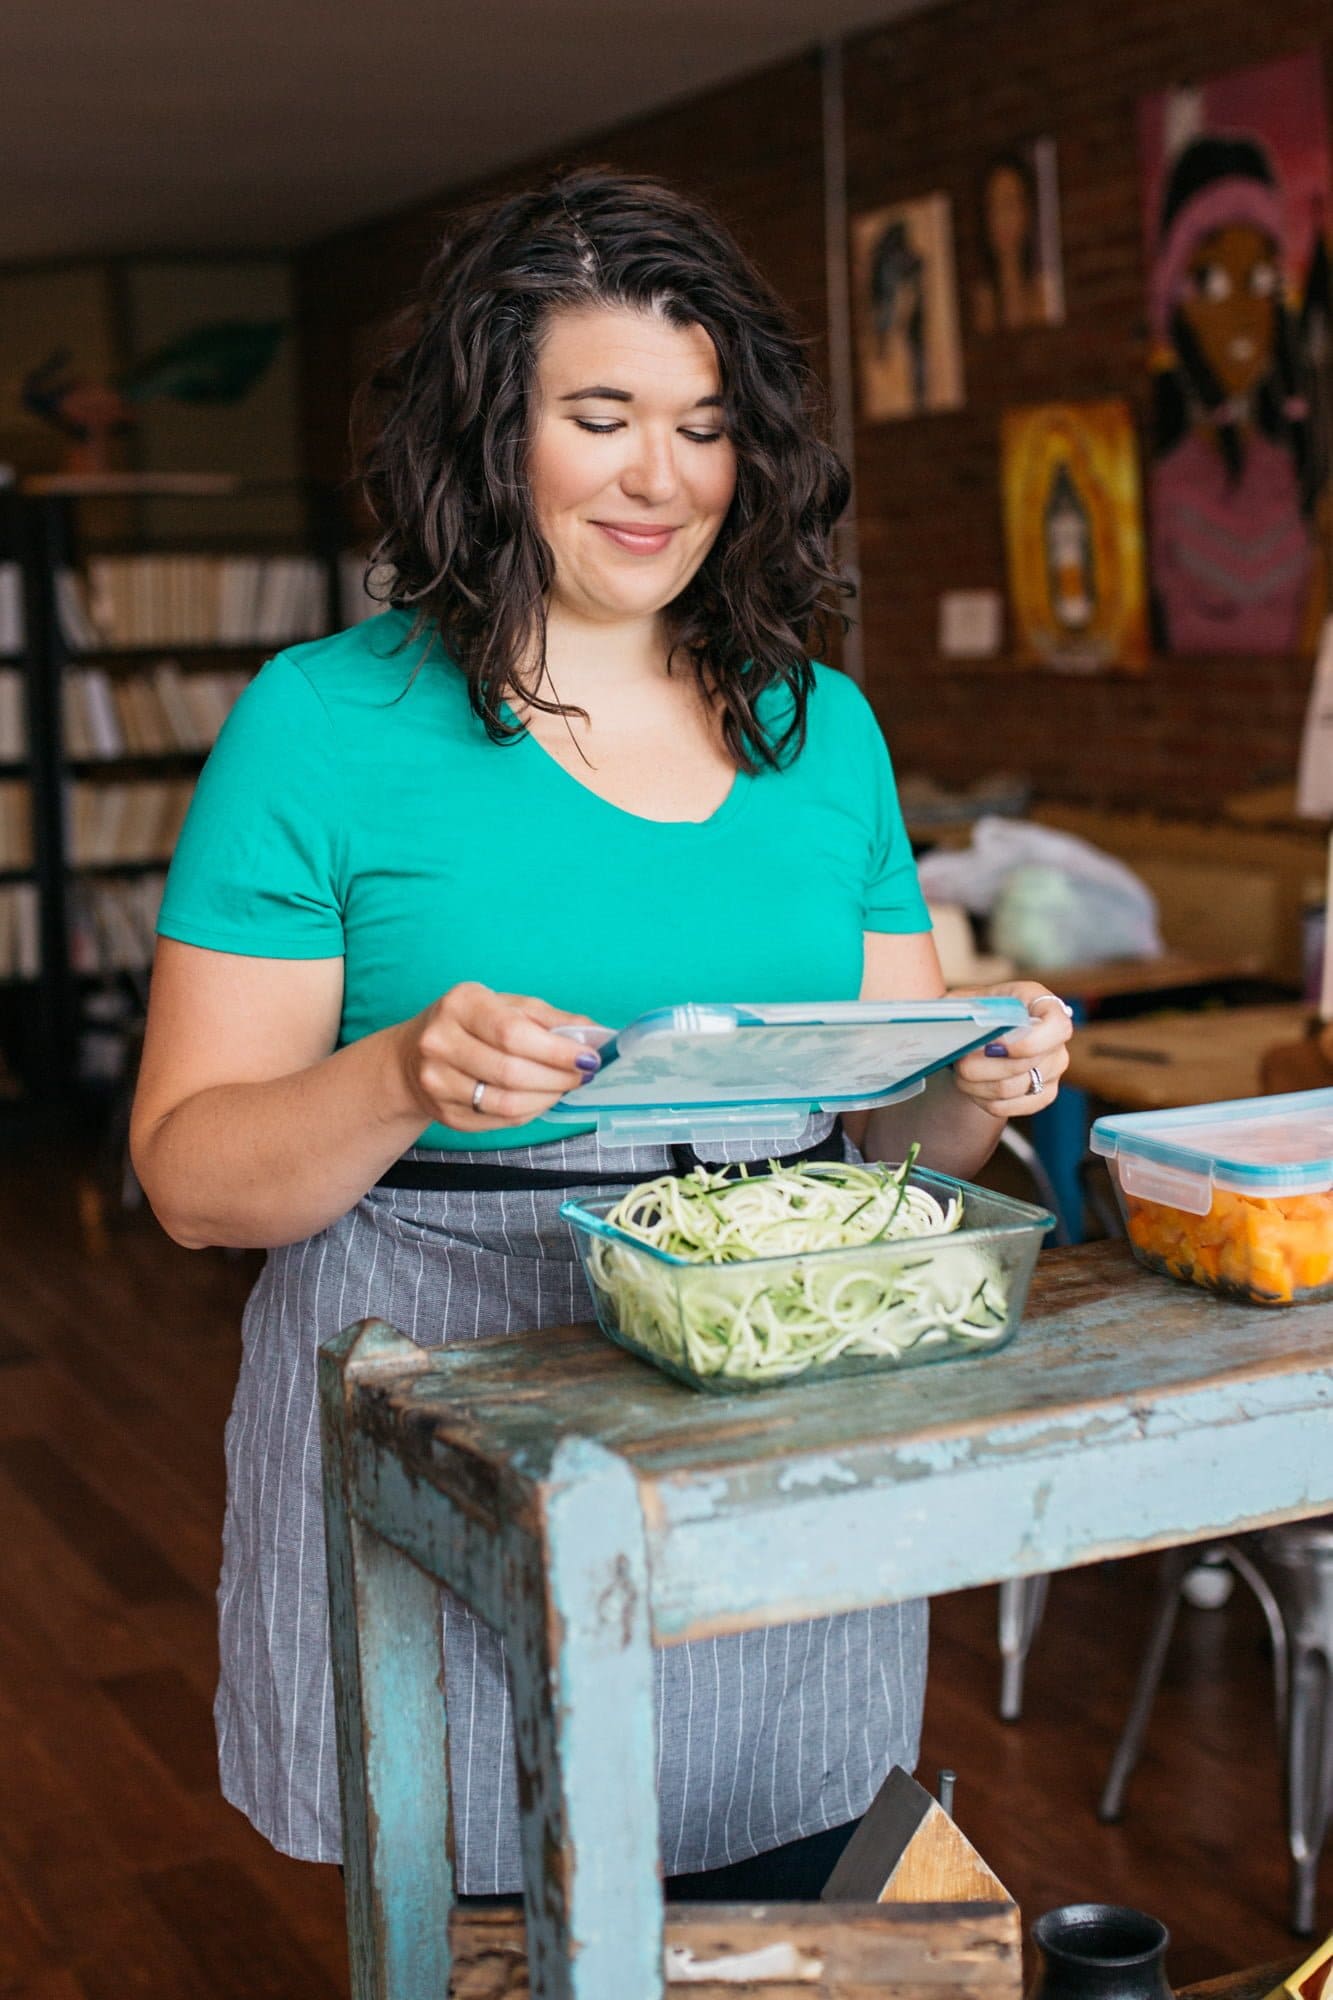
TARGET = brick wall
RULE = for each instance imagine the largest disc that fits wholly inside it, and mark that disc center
(927, 100)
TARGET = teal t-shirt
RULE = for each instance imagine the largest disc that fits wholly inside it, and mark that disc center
(356, 808)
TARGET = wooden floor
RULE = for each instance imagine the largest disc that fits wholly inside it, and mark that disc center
(122, 1874)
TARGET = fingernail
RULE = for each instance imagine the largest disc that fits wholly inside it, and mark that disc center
(588, 1060)
(995, 1049)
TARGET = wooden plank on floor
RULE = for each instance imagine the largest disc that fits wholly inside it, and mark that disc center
(234, 1935)
(172, 1720)
(128, 1564)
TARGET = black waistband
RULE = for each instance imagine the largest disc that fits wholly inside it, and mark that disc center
(473, 1177)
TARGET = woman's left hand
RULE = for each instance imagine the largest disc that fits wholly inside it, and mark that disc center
(1020, 1074)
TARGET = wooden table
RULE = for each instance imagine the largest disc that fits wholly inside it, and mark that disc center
(590, 1508)
(1142, 978)
(1171, 1059)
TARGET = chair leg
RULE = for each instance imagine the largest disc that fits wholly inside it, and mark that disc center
(1174, 1564)
(1309, 1778)
(1277, 1630)
(1022, 1602)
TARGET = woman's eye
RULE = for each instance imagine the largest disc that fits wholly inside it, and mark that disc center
(1213, 283)
(598, 430)
(1263, 281)
(703, 437)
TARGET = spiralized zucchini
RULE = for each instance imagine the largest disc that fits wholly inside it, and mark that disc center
(766, 1307)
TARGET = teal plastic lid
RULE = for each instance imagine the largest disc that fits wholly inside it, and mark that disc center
(1262, 1146)
(704, 1071)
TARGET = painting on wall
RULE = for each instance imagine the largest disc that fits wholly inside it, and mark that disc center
(909, 352)
(1018, 227)
(1074, 536)
(1236, 204)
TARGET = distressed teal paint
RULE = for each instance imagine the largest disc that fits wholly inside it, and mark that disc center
(581, 1668)
(971, 1524)
(389, 1712)
(550, 1478)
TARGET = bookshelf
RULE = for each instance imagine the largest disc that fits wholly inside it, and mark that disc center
(138, 643)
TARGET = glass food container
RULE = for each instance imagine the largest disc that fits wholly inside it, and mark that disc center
(756, 1323)
(1236, 1197)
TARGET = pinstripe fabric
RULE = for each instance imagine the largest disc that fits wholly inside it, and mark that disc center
(762, 1737)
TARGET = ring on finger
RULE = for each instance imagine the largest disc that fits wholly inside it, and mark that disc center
(1036, 1082)
(478, 1092)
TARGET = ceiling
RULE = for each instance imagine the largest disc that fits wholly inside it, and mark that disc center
(171, 125)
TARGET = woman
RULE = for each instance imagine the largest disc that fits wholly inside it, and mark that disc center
(1016, 291)
(1234, 486)
(586, 754)
(898, 299)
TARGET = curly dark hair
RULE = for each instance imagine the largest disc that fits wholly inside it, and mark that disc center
(442, 431)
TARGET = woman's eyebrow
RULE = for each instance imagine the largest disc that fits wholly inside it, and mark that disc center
(607, 395)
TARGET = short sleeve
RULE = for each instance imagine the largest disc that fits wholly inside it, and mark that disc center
(258, 866)
(893, 899)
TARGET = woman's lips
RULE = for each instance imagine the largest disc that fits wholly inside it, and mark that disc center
(639, 540)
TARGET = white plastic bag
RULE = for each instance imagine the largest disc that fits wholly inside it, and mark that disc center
(1052, 899)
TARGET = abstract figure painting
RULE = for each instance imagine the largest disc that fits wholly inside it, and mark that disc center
(1073, 529)
(1018, 222)
(906, 310)
(1236, 195)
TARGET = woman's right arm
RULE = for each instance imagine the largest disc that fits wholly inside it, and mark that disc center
(250, 1126)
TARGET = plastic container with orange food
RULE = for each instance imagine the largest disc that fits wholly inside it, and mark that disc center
(1237, 1197)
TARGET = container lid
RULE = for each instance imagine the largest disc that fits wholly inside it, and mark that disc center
(1263, 1146)
(705, 1071)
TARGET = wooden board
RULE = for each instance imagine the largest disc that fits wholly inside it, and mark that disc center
(791, 1951)
(907, 1849)
(1195, 1058)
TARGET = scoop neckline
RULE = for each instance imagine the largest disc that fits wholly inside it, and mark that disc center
(721, 816)
(717, 821)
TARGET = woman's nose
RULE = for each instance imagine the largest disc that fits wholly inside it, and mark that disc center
(651, 473)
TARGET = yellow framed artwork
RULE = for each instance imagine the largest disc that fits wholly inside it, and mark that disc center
(1073, 520)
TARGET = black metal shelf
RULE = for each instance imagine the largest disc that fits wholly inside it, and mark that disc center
(53, 533)
(140, 867)
(185, 653)
(131, 763)
(11, 875)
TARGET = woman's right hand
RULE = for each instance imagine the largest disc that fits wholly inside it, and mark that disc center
(502, 1040)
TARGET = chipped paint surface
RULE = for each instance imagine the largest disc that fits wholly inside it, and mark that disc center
(549, 1478)
(978, 1518)
(770, 1961)
(815, 1472)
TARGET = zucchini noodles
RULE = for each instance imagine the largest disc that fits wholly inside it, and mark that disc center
(752, 1295)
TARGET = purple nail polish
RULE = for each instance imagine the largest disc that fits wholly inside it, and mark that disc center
(588, 1060)
(995, 1049)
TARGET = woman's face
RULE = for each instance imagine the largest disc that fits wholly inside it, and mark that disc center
(1231, 302)
(631, 468)
(1008, 222)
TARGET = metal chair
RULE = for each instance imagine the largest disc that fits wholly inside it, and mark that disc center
(1290, 1571)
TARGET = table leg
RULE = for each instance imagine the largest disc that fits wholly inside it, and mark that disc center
(389, 1703)
(581, 1669)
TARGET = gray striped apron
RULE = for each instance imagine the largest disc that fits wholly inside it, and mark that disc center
(763, 1737)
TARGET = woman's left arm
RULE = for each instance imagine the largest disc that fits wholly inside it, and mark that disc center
(958, 1119)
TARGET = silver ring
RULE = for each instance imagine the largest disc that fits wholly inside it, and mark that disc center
(1036, 1083)
(479, 1091)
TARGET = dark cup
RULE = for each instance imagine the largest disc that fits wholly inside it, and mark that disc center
(1100, 1951)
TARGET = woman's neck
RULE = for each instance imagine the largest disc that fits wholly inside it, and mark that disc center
(592, 663)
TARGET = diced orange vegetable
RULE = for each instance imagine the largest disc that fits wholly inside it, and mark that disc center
(1272, 1252)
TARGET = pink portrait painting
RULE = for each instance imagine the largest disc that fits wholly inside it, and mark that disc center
(1236, 208)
